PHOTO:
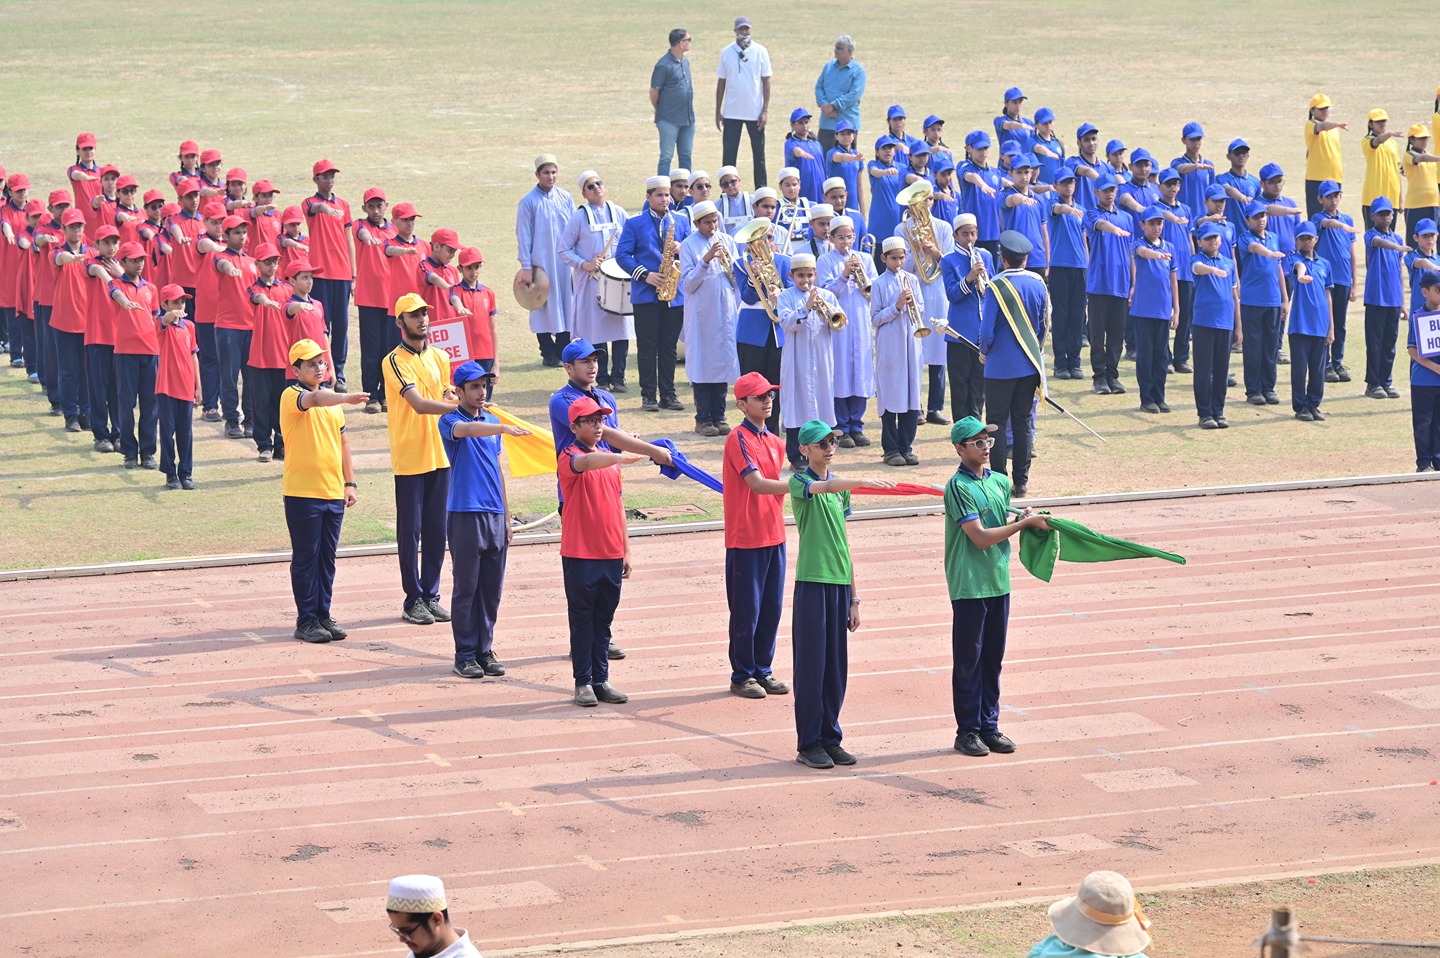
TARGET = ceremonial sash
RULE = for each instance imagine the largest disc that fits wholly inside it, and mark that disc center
(1012, 307)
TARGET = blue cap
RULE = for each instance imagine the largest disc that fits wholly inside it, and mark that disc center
(942, 162)
(1381, 204)
(1237, 144)
(1271, 170)
(799, 113)
(1429, 278)
(1141, 155)
(1328, 188)
(1084, 129)
(1425, 227)
(844, 126)
(1152, 213)
(1169, 175)
(1307, 228)
(1216, 192)
(931, 120)
(1256, 208)
(1010, 148)
(1014, 94)
(1065, 173)
(977, 139)
(467, 371)
(1114, 146)
(1208, 230)
(1105, 181)
(1023, 161)
(579, 349)
(1192, 130)
(1044, 115)
(894, 111)
(919, 148)
(884, 140)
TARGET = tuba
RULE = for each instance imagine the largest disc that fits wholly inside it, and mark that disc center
(669, 268)
(920, 229)
(755, 237)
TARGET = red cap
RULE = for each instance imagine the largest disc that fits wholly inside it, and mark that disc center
(753, 384)
(19, 181)
(130, 251)
(84, 140)
(263, 186)
(61, 196)
(585, 406)
(107, 169)
(210, 156)
(72, 216)
(291, 214)
(214, 210)
(469, 256)
(187, 186)
(323, 166)
(233, 222)
(189, 148)
(170, 209)
(445, 236)
(302, 265)
(236, 174)
(153, 196)
(106, 232)
(403, 211)
(266, 251)
(34, 208)
(373, 193)
(173, 292)
(125, 182)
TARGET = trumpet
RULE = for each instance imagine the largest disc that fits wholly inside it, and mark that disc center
(727, 263)
(764, 277)
(920, 231)
(861, 279)
(983, 279)
(912, 309)
(835, 318)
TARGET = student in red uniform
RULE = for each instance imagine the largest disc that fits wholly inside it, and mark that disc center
(100, 341)
(207, 289)
(476, 302)
(84, 177)
(378, 334)
(305, 313)
(404, 250)
(106, 200)
(211, 186)
(177, 387)
(234, 319)
(439, 275)
(33, 354)
(12, 224)
(69, 318)
(151, 234)
(328, 219)
(128, 212)
(136, 304)
(269, 350)
(235, 200)
(293, 242)
(189, 165)
(263, 216)
(48, 237)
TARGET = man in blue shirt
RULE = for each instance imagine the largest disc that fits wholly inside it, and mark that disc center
(1107, 284)
(1311, 325)
(1337, 247)
(1064, 221)
(672, 94)
(838, 91)
(1012, 331)
(1264, 303)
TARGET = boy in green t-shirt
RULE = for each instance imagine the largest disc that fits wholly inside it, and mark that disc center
(978, 528)
(825, 602)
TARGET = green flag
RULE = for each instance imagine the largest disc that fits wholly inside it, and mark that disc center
(1071, 542)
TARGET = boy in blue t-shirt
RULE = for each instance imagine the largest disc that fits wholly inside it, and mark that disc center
(1064, 222)
(1421, 258)
(1384, 299)
(1425, 384)
(1154, 308)
(1312, 326)
(1264, 303)
(1216, 320)
(1337, 247)
(1107, 284)
(1177, 234)
(1024, 212)
(804, 152)
(1047, 149)
(1240, 186)
(845, 161)
(980, 190)
(1284, 214)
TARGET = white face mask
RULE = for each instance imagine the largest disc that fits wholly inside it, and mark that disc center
(742, 40)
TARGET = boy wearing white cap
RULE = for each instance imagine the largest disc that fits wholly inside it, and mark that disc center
(819, 242)
(845, 202)
(1102, 919)
(698, 190)
(420, 917)
(793, 216)
(680, 190)
(733, 203)
(807, 360)
(895, 302)
(539, 223)
(935, 308)
(965, 270)
(849, 275)
(710, 276)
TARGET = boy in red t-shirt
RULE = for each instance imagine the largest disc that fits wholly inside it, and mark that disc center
(404, 250)
(234, 317)
(151, 231)
(476, 302)
(293, 243)
(69, 317)
(207, 292)
(269, 350)
(47, 238)
(437, 274)
(754, 540)
(136, 304)
(177, 387)
(306, 314)
(594, 549)
(100, 341)
(378, 332)
(328, 217)
(264, 218)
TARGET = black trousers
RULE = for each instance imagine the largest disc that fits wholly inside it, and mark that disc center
(176, 437)
(827, 142)
(314, 536)
(978, 630)
(967, 381)
(1307, 371)
(1382, 327)
(420, 516)
(1312, 198)
(1339, 309)
(764, 360)
(1067, 293)
(135, 385)
(334, 296)
(657, 330)
(105, 399)
(477, 558)
(897, 432)
(592, 593)
(1261, 326)
(552, 345)
(267, 385)
(1012, 399)
(1107, 333)
(730, 146)
(1180, 353)
(378, 336)
(935, 400)
(819, 622)
(1212, 367)
(612, 363)
(1425, 423)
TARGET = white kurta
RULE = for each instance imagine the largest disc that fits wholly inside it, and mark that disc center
(853, 346)
(589, 229)
(807, 364)
(712, 308)
(937, 305)
(897, 351)
(539, 223)
(734, 213)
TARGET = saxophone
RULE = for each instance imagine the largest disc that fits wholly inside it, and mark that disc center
(669, 269)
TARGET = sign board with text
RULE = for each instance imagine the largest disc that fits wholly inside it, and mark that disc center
(451, 338)
(1427, 334)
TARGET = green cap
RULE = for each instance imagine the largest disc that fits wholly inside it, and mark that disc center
(814, 431)
(968, 428)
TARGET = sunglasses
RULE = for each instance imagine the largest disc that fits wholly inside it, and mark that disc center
(984, 442)
(594, 184)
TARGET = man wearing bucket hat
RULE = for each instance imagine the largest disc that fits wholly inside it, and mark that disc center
(1103, 918)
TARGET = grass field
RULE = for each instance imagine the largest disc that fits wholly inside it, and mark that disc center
(445, 105)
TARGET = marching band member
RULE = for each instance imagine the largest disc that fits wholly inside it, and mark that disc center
(838, 195)
(933, 349)
(965, 270)
(733, 203)
(766, 203)
(708, 259)
(794, 214)
(589, 238)
(699, 188)
(848, 275)
(680, 191)
(640, 251)
(894, 299)
(807, 362)
(539, 221)
(820, 216)
(1012, 332)
(758, 339)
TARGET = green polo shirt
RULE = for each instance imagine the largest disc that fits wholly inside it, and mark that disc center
(824, 554)
(970, 572)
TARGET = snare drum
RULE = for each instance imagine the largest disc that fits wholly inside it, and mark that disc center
(612, 292)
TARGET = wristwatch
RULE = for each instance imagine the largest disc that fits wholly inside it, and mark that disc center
(351, 485)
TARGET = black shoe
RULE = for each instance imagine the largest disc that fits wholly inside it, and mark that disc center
(1115, 387)
(1076, 373)
(815, 756)
(800, 465)
(437, 611)
(619, 388)
(937, 418)
(609, 694)
(84, 421)
(1184, 367)
(772, 685)
(1222, 422)
(649, 405)
(172, 483)
(1255, 400)
(468, 670)
(1101, 387)
(550, 363)
(1304, 415)
(1391, 392)
(1317, 415)
(1271, 399)
(310, 631)
(969, 743)
(149, 463)
(1164, 407)
(1343, 373)
(1374, 392)
(614, 652)
(1230, 381)
(56, 411)
(1209, 424)
(1331, 375)
(234, 432)
(1282, 359)
(674, 404)
(911, 459)
(1060, 373)
(838, 755)
(860, 439)
(211, 415)
(187, 484)
(490, 664)
(279, 454)
(131, 463)
(337, 634)
(1150, 407)
(105, 445)
(72, 425)
(1021, 490)
(418, 613)
(247, 431)
(585, 696)
(846, 441)
(997, 741)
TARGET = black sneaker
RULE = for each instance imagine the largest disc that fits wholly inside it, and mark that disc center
(1271, 399)
(860, 439)
(187, 484)
(1164, 406)
(131, 463)
(1184, 367)
(310, 631)
(815, 757)
(84, 421)
(1391, 392)
(1101, 387)
(149, 463)
(72, 425)
(234, 432)
(1342, 373)
(1208, 423)
(1304, 415)
(614, 652)
(337, 634)
(1332, 375)
(619, 388)
(1255, 400)
(649, 405)
(1222, 422)
(937, 418)
(998, 741)
(105, 445)
(969, 743)
(1230, 381)
(468, 670)
(247, 431)
(773, 686)
(1374, 392)
(172, 483)
(211, 415)
(846, 441)
(1150, 407)
(1317, 415)
(437, 611)
(1115, 387)
(490, 664)
(673, 404)
(418, 613)
(838, 755)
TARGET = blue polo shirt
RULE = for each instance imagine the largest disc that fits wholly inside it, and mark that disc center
(1049, 168)
(1215, 295)
(1383, 286)
(849, 171)
(1152, 299)
(1259, 275)
(1193, 184)
(1249, 184)
(986, 209)
(1336, 247)
(1283, 227)
(1084, 185)
(1417, 298)
(1419, 375)
(1143, 193)
(1067, 234)
(475, 483)
(560, 412)
(1227, 238)
(1109, 272)
(1178, 237)
(1029, 220)
(1309, 302)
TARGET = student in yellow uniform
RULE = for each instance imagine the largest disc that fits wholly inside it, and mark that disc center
(1422, 193)
(1322, 151)
(1382, 163)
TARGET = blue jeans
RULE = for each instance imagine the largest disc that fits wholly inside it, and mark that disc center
(135, 385)
(232, 346)
(978, 630)
(755, 592)
(672, 136)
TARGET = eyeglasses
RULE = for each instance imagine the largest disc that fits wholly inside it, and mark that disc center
(830, 443)
(984, 442)
(406, 933)
(700, 186)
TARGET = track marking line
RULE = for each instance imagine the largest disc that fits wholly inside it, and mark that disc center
(437, 759)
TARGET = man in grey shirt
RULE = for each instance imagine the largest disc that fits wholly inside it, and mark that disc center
(672, 94)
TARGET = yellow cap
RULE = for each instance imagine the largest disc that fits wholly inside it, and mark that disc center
(409, 303)
(1319, 102)
(1419, 129)
(1378, 114)
(303, 350)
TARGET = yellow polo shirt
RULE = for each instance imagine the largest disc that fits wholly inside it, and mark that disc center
(415, 445)
(1382, 171)
(1322, 154)
(1420, 186)
(313, 467)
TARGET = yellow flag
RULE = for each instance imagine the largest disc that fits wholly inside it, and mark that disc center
(532, 455)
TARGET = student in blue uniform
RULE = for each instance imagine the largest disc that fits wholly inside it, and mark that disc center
(1137, 194)
(919, 168)
(1337, 246)
(1010, 125)
(1107, 285)
(1384, 298)
(1065, 224)
(1177, 234)
(1013, 361)
(1425, 386)
(945, 204)
(1024, 212)
(1284, 213)
(1216, 320)
(1264, 303)
(965, 270)
(886, 180)
(845, 161)
(1086, 164)
(980, 189)
(1240, 186)
(895, 126)
(1312, 327)
(1423, 257)
(1197, 174)
(1214, 212)
(804, 152)
(1047, 149)
(1154, 308)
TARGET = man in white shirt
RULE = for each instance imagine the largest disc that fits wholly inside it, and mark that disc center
(419, 916)
(742, 97)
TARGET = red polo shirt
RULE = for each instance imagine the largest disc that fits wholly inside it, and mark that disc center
(480, 300)
(207, 287)
(185, 260)
(264, 228)
(100, 322)
(438, 297)
(136, 330)
(307, 324)
(233, 309)
(752, 521)
(405, 270)
(288, 254)
(44, 266)
(329, 237)
(270, 344)
(372, 266)
(72, 290)
(176, 376)
(595, 523)
(85, 192)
